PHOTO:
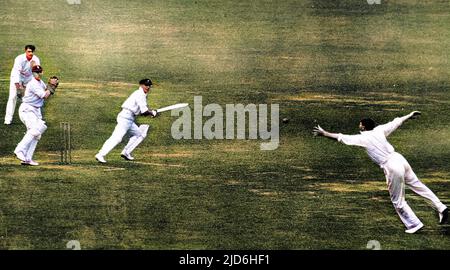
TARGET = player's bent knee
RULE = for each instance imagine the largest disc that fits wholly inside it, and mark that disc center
(35, 133)
(42, 127)
(144, 130)
(115, 140)
(38, 130)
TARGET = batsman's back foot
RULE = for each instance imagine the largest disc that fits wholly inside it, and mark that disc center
(29, 163)
(100, 158)
(126, 156)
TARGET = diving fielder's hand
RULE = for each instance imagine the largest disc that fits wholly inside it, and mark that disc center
(415, 114)
(318, 131)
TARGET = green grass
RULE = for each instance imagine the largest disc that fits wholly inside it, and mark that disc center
(326, 62)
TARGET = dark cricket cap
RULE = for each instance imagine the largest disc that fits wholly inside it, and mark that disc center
(37, 69)
(146, 82)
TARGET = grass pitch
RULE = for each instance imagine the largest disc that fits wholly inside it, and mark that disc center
(325, 62)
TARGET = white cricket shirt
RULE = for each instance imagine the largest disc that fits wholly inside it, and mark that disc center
(375, 142)
(135, 104)
(21, 71)
(34, 93)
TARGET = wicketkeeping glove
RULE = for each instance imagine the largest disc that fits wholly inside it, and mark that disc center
(53, 83)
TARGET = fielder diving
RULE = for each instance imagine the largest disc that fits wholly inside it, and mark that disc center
(397, 170)
(136, 104)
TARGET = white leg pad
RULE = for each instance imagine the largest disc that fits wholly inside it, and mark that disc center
(31, 148)
(137, 139)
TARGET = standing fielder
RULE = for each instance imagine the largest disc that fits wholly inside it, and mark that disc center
(397, 170)
(30, 114)
(21, 75)
(136, 104)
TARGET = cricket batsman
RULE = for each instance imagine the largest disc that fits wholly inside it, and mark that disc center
(136, 104)
(397, 170)
(30, 114)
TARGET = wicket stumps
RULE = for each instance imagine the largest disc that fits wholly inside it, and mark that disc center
(66, 143)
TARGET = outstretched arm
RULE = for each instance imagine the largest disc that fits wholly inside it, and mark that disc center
(319, 131)
(412, 115)
(390, 127)
(356, 140)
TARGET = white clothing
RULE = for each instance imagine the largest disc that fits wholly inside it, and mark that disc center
(374, 141)
(20, 73)
(397, 170)
(30, 115)
(35, 93)
(135, 104)
(11, 104)
(123, 127)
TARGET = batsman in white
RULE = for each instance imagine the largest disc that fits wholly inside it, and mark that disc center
(21, 75)
(30, 114)
(136, 104)
(397, 170)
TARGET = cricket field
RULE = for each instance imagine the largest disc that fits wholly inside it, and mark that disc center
(323, 62)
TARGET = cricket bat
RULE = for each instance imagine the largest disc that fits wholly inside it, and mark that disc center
(172, 107)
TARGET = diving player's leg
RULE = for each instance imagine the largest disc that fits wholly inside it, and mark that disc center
(413, 182)
(395, 176)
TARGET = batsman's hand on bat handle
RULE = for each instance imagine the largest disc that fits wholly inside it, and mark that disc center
(155, 113)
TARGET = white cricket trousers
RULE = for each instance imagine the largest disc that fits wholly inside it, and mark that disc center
(11, 105)
(398, 173)
(123, 126)
(32, 118)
